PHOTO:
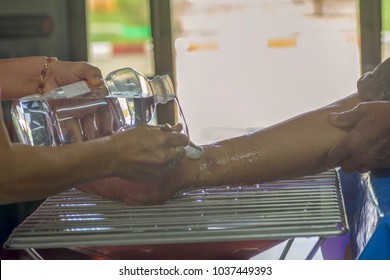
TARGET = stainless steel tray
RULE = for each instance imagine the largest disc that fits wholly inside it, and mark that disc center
(307, 206)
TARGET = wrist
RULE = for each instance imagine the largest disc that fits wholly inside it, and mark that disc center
(45, 74)
(111, 156)
(34, 67)
(20, 76)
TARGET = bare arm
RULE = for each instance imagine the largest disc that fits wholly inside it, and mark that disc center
(20, 76)
(293, 148)
(29, 173)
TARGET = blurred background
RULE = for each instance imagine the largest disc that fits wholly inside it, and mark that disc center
(239, 65)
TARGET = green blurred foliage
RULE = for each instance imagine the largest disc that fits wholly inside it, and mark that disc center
(131, 20)
(386, 15)
(128, 12)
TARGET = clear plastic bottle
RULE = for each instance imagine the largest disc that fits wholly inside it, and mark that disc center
(77, 112)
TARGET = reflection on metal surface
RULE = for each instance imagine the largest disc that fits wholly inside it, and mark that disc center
(307, 206)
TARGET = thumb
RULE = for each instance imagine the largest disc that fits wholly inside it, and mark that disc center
(345, 119)
(94, 78)
(88, 72)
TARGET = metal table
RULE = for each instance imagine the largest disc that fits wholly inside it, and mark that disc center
(251, 217)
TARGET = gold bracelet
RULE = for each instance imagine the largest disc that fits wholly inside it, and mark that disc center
(43, 74)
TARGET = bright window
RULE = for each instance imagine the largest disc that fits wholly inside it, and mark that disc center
(385, 29)
(247, 64)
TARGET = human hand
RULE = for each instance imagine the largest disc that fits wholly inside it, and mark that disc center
(151, 192)
(146, 152)
(95, 120)
(367, 144)
(130, 192)
(375, 85)
(65, 72)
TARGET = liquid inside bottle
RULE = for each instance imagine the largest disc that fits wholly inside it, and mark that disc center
(54, 122)
(76, 113)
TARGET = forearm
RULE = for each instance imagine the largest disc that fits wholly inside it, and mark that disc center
(30, 173)
(20, 76)
(293, 148)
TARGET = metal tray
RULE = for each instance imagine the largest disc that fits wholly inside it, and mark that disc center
(302, 207)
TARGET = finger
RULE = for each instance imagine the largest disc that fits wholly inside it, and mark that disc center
(89, 128)
(166, 127)
(345, 119)
(178, 155)
(71, 131)
(90, 73)
(169, 128)
(177, 140)
(336, 154)
(105, 121)
(93, 74)
(177, 127)
(94, 81)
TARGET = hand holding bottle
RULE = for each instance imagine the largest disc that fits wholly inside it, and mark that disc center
(65, 72)
(88, 109)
